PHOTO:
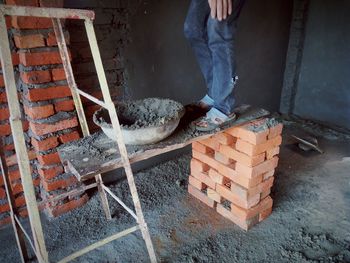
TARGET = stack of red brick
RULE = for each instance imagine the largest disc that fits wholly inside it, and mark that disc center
(48, 109)
(233, 171)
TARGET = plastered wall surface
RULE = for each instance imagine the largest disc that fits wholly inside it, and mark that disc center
(323, 90)
(160, 62)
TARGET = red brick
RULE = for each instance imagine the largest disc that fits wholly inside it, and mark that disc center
(2, 82)
(25, 125)
(39, 112)
(253, 150)
(65, 105)
(23, 2)
(265, 194)
(4, 114)
(40, 58)
(45, 144)
(29, 41)
(264, 214)
(48, 93)
(5, 129)
(268, 174)
(50, 173)
(58, 74)
(234, 198)
(52, 41)
(272, 152)
(245, 193)
(48, 159)
(255, 132)
(8, 22)
(62, 209)
(245, 214)
(204, 178)
(217, 177)
(21, 22)
(3, 97)
(211, 143)
(4, 208)
(42, 129)
(205, 158)
(240, 179)
(222, 158)
(201, 196)
(20, 201)
(15, 175)
(212, 194)
(244, 224)
(257, 170)
(59, 184)
(9, 147)
(36, 77)
(201, 148)
(12, 159)
(65, 138)
(224, 138)
(18, 188)
(196, 183)
(241, 157)
(275, 131)
(2, 193)
(198, 166)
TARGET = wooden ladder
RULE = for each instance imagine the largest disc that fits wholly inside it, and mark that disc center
(56, 14)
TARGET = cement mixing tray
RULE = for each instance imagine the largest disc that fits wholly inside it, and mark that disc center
(142, 121)
(97, 154)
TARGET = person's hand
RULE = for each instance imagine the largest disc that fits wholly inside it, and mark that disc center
(220, 9)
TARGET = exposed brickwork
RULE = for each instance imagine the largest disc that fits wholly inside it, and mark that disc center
(50, 118)
(232, 171)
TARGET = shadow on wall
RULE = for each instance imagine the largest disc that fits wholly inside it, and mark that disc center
(161, 63)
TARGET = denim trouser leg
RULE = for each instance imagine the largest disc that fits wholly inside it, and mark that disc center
(213, 44)
(195, 30)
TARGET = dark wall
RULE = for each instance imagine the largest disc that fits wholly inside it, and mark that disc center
(161, 63)
(323, 91)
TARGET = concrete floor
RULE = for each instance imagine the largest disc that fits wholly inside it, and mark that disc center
(310, 221)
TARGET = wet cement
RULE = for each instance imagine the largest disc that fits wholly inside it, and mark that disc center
(310, 221)
(150, 112)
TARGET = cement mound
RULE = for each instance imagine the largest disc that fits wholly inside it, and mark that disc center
(149, 112)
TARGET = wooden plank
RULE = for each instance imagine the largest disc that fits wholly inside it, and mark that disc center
(98, 154)
(63, 13)
(20, 146)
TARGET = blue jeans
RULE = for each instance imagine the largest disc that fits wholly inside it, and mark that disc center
(213, 44)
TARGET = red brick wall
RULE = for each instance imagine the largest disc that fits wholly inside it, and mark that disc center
(49, 115)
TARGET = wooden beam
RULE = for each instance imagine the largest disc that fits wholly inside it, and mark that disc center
(19, 141)
(63, 13)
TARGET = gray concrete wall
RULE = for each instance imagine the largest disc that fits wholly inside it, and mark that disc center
(161, 63)
(323, 90)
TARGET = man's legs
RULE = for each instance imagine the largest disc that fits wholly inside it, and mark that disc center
(195, 30)
(221, 38)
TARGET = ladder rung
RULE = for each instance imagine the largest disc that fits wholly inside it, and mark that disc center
(120, 202)
(99, 244)
(25, 234)
(92, 98)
